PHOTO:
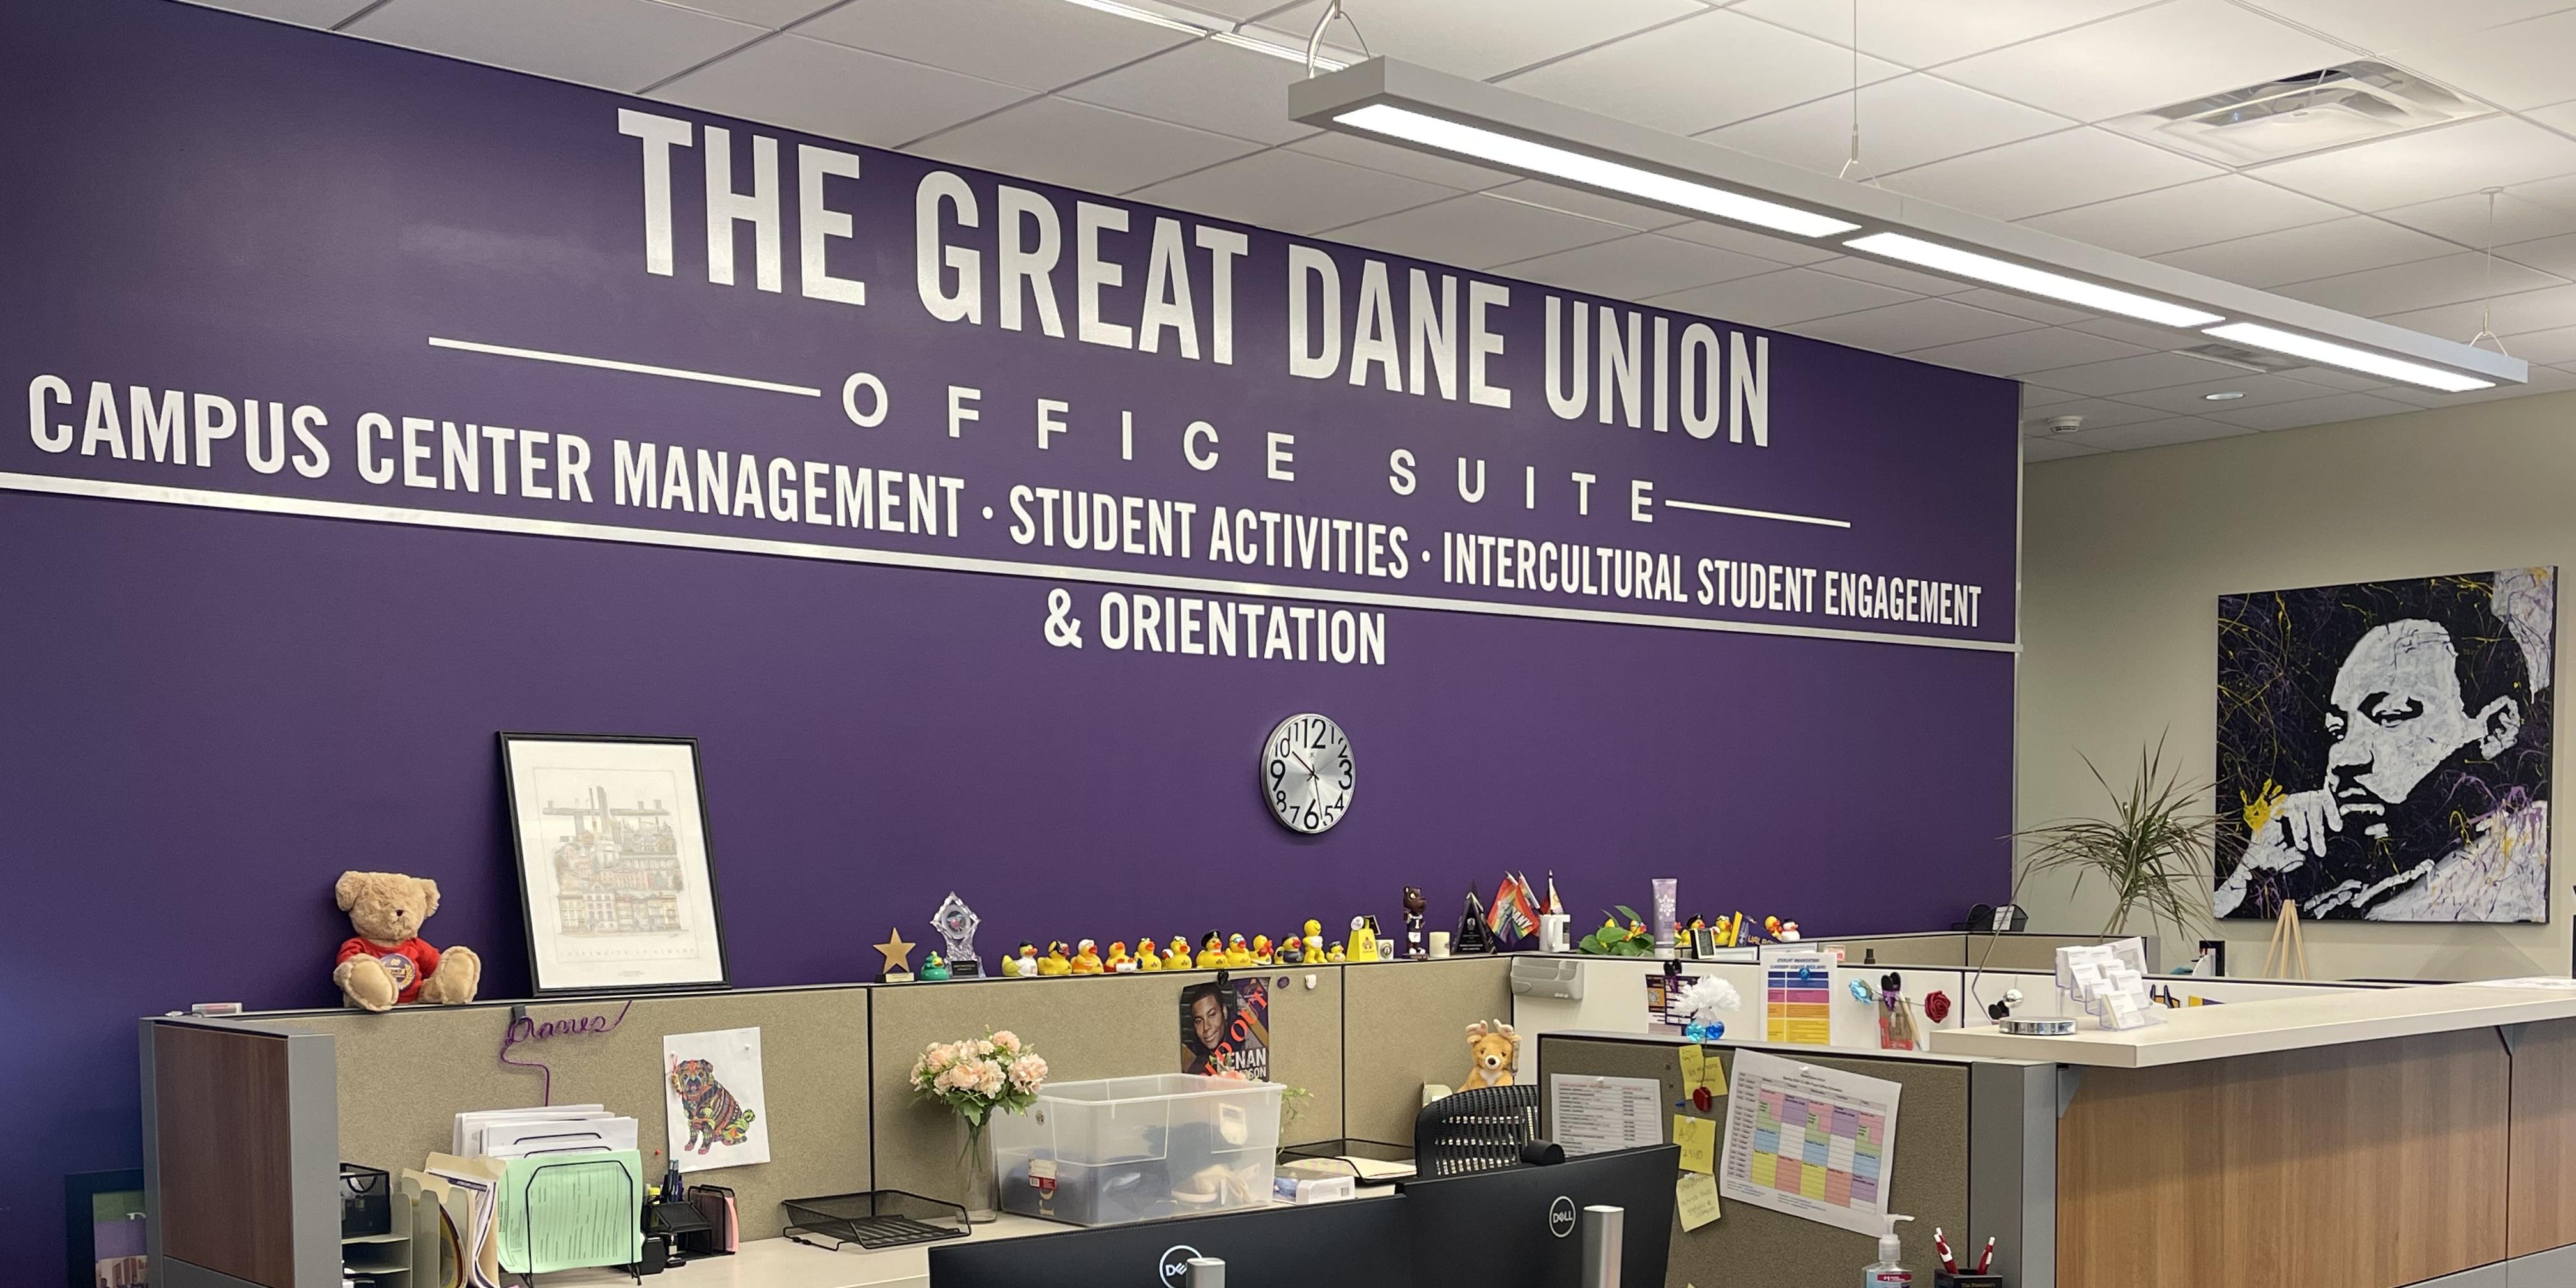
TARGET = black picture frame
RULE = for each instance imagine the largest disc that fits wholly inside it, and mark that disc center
(537, 958)
(80, 1246)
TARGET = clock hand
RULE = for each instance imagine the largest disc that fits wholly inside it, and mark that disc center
(1301, 764)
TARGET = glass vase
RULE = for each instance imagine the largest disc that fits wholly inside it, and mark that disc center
(975, 1168)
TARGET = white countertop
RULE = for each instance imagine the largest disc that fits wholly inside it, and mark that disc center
(784, 1263)
(2286, 1024)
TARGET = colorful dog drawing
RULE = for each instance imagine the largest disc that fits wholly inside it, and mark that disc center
(715, 1117)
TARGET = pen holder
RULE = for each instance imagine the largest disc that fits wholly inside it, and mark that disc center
(1944, 1279)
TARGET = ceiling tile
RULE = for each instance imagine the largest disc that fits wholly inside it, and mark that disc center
(2137, 333)
(1206, 86)
(1908, 280)
(1786, 250)
(2541, 310)
(2052, 172)
(1575, 201)
(1485, 38)
(1048, 42)
(1246, 10)
(1292, 192)
(2098, 413)
(2518, 65)
(1477, 231)
(2154, 433)
(1360, 151)
(2126, 375)
(1919, 33)
(1057, 140)
(2398, 288)
(2554, 347)
(2035, 450)
(2146, 58)
(310, 13)
(2385, 25)
(766, 13)
(2318, 250)
(2548, 254)
(2445, 161)
(1700, 73)
(2187, 214)
(2523, 212)
(1639, 266)
(1789, 296)
(1915, 324)
(2558, 116)
(837, 92)
(2023, 352)
(2033, 396)
(2312, 411)
(618, 44)
(2192, 399)
(1904, 122)
(2022, 306)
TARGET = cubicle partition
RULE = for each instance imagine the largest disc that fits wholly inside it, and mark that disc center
(247, 1119)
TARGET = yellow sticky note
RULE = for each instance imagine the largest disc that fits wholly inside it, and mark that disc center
(1715, 1074)
(1698, 1139)
(1694, 1065)
(1695, 1199)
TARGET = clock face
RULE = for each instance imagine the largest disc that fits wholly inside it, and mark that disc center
(1306, 773)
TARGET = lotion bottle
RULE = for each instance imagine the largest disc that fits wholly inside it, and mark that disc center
(1889, 1270)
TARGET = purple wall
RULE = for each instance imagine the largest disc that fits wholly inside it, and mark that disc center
(208, 715)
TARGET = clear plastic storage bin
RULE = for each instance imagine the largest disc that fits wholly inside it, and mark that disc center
(1133, 1149)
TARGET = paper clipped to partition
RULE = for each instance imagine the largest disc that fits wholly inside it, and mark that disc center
(1592, 1115)
(1811, 1142)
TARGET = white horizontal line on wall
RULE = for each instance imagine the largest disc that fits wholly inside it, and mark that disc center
(612, 364)
(204, 498)
(1706, 508)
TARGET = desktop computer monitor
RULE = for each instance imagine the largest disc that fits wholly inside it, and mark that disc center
(1521, 1227)
(1355, 1240)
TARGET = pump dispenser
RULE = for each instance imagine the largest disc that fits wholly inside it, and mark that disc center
(1889, 1270)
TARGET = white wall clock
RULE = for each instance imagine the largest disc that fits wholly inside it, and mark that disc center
(1306, 773)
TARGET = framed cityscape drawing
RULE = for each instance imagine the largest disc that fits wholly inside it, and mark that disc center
(2384, 749)
(616, 864)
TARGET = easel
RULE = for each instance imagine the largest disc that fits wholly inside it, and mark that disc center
(2289, 948)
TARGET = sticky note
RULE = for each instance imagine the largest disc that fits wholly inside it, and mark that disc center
(1695, 1199)
(1715, 1075)
(1698, 1139)
(1694, 1063)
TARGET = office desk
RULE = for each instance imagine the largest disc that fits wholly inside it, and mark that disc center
(784, 1263)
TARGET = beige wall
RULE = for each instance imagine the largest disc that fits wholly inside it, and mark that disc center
(2124, 558)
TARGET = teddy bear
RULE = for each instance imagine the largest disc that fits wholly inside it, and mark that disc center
(387, 962)
(1493, 1051)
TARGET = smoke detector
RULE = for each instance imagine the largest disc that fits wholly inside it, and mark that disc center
(2295, 115)
(2063, 424)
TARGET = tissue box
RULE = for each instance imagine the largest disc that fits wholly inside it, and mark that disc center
(1312, 1189)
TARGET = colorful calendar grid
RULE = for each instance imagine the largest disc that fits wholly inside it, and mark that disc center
(1799, 1002)
(1829, 1153)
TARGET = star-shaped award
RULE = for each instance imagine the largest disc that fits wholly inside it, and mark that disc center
(898, 957)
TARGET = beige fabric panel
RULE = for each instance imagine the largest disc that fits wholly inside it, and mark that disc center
(1929, 1181)
(1408, 1026)
(406, 1074)
(1104, 1026)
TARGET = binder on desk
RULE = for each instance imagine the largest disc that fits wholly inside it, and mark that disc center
(567, 1211)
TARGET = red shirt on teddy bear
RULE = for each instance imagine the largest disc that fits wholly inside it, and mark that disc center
(409, 962)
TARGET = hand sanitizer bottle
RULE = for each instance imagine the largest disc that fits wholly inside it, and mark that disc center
(1889, 1270)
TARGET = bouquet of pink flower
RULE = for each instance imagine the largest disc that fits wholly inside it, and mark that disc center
(979, 1076)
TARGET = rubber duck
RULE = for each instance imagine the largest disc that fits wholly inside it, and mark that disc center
(1028, 960)
(1146, 957)
(1238, 954)
(1261, 950)
(1010, 966)
(1292, 951)
(1119, 962)
(1177, 957)
(934, 970)
(1086, 959)
(1314, 940)
(1333, 955)
(1054, 962)
(1211, 952)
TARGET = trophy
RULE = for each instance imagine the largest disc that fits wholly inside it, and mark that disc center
(956, 924)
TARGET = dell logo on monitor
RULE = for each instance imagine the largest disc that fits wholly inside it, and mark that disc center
(1175, 1265)
(1560, 1216)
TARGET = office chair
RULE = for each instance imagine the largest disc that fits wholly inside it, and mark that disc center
(1474, 1130)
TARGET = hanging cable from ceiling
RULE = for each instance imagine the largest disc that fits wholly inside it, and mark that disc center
(2486, 282)
(1851, 160)
(1315, 42)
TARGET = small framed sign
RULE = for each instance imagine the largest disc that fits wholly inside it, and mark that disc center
(616, 862)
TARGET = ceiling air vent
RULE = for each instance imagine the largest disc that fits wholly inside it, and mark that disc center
(2327, 108)
(2242, 359)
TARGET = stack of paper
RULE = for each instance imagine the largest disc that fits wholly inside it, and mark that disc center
(513, 1133)
(536, 1190)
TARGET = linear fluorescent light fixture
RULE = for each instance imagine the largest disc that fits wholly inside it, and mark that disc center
(2347, 357)
(1221, 35)
(1490, 125)
(2022, 278)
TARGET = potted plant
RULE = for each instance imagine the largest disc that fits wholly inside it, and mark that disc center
(1613, 941)
(2153, 849)
(979, 1077)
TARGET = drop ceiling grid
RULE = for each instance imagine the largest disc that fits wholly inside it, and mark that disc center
(2417, 272)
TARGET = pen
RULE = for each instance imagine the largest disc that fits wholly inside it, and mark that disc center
(1941, 1244)
(1987, 1261)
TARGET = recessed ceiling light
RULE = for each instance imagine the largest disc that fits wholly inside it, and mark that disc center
(2225, 395)
(2349, 358)
(2029, 281)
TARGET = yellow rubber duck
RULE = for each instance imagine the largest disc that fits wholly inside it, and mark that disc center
(1261, 950)
(1086, 959)
(1054, 962)
(1211, 952)
(1314, 940)
(1146, 957)
(1334, 954)
(1118, 960)
(1237, 953)
(1177, 957)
